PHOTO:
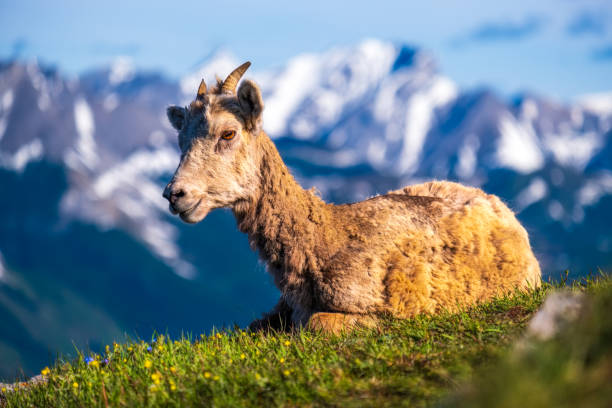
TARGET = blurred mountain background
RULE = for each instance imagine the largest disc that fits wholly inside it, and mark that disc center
(89, 252)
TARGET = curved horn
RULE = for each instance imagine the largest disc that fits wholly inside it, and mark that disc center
(201, 91)
(229, 85)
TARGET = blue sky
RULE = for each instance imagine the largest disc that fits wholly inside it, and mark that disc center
(560, 48)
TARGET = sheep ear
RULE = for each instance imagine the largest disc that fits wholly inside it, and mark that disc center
(176, 116)
(249, 97)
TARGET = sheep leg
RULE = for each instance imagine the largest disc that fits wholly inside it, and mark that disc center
(336, 323)
(278, 319)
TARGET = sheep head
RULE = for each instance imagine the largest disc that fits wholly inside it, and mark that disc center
(217, 136)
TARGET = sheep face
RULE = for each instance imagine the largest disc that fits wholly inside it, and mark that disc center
(217, 137)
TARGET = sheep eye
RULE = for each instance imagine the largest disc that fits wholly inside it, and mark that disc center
(228, 134)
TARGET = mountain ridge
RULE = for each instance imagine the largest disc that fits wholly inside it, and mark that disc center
(352, 122)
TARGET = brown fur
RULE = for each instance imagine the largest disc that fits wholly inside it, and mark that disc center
(425, 248)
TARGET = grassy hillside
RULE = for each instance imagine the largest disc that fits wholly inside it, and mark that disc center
(448, 358)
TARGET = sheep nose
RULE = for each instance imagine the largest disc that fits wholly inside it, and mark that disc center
(172, 194)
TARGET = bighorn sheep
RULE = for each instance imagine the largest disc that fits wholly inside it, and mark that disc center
(424, 248)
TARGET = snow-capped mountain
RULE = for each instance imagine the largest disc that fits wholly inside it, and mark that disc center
(83, 162)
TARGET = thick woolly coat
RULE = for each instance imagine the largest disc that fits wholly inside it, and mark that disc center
(421, 249)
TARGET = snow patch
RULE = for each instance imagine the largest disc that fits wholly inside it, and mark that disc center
(27, 153)
(111, 101)
(3, 124)
(555, 210)
(131, 171)
(7, 101)
(595, 189)
(376, 152)
(569, 149)
(221, 63)
(2, 269)
(529, 110)
(419, 117)
(290, 88)
(157, 138)
(161, 237)
(313, 91)
(40, 84)
(5, 106)
(86, 145)
(386, 99)
(534, 192)
(576, 116)
(122, 70)
(518, 147)
(467, 158)
(598, 103)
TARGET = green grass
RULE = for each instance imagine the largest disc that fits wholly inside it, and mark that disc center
(417, 362)
(573, 369)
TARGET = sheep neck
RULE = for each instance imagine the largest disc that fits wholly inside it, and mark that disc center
(292, 228)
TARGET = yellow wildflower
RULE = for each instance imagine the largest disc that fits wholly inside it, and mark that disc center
(45, 371)
(286, 372)
(148, 364)
(156, 377)
(173, 369)
(206, 374)
(287, 342)
(3, 389)
(125, 360)
(95, 363)
(172, 386)
(75, 384)
(257, 376)
(216, 378)
(242, 356)
(257, 352)
(282, 360)
(107, 348)
(219, 335)
(130, 348)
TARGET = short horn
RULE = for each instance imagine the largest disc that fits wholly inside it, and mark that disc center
(229, 85)
(201, 91)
